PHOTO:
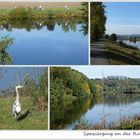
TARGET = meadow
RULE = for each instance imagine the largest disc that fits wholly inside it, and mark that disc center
(34, 106)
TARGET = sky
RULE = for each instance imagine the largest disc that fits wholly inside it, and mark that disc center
(123, 17)
(11, 76)
(104, 71)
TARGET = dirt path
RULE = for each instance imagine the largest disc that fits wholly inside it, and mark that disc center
(98, 53)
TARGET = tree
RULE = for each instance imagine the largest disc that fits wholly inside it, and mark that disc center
(85, 8)
(98, 20)
(113, 37)
(107, 36)
(84, 27)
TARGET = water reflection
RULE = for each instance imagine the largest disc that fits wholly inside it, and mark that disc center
(51, 42)
(131, 43)
(66, 25)
(93, 109)
(63, 114)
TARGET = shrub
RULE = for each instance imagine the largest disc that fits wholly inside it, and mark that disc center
(38, 92)
(19, 13)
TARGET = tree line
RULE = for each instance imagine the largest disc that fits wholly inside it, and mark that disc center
(98, 20)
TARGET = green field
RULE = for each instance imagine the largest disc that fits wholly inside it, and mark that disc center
(34, 120)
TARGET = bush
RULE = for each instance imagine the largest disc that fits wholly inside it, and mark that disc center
(38, 92)
(19, 13)
(4, 43)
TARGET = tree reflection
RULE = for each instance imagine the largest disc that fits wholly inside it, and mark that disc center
(84, 28)
(66, 24)
(50, 25)
(65, 114)
(5, 58)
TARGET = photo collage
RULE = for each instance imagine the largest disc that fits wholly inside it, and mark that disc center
(71, 65)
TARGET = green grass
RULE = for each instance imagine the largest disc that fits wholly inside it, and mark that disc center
(123, 124)
(35, 120)
(45, 10)
(119, 55)
(30, 13)
(34, 106)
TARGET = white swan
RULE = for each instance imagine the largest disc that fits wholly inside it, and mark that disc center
(17, 105)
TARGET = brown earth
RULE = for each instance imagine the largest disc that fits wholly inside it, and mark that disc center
(10, 5)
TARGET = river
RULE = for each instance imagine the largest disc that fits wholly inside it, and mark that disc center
(134, 44)
(94, 111)
(52, 42)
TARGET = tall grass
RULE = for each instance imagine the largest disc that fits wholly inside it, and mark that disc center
(123, 124)
(37, 91)
(33, 99)
(122, 55)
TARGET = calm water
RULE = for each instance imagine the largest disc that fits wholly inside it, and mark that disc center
(94, 110)
(137, 44)
(9, 77)
(51, 43)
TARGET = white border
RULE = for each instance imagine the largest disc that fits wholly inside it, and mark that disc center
(44, 0)
(89, 34)
(48, 98)
(62, 134)
(67, 135)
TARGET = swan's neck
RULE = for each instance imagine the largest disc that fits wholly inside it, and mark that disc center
(17, 95)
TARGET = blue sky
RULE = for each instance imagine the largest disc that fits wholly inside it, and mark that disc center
(123, 17)
(99, 71)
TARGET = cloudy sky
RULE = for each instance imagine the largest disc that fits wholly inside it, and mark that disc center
(100, 71)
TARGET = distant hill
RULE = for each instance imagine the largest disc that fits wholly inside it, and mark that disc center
(128, 36)
(132, 35)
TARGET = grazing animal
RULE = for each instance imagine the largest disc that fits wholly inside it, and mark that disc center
(17, 105)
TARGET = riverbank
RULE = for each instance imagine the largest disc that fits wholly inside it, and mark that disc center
(11, 5)
(70, 89)
(30, 118)
(118, 55)
(123, 124)
(49, 13)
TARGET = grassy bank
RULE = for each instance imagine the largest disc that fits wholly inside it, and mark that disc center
(123, 124)
(28, 13)
(34, 105)
(34, 120)
(69, 90)
(122, 55)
